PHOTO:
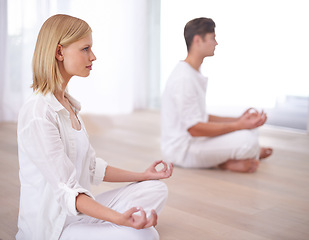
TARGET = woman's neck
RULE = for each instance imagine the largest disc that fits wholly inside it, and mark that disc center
(60, 93)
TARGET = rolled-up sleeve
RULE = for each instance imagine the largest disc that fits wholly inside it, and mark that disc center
(69, 195)
(99, 172)
(97, 167)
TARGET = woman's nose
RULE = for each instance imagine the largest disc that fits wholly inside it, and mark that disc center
(93, 57)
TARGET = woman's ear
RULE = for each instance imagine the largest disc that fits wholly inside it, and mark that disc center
(59, 53)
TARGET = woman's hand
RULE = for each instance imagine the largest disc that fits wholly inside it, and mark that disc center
(137, 221)
(153, 174)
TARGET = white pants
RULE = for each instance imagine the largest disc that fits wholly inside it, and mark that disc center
(206, 152)
(148, 195)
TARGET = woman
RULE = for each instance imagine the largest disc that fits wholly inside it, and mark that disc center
(57, 162)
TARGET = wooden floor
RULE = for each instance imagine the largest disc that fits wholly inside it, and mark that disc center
(271, 204)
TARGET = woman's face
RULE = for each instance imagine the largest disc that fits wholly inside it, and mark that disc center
(77, 58)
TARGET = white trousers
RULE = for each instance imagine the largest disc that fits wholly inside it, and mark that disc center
(148, 195)
(206, 152)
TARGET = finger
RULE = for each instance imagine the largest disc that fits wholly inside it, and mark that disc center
(139, 221)
(131, 211)
(164, 167)
(254, 110)
(248, 110)
(264, 117)
(254, 115)
(258, 115)
(169, 171)
(156, 163)
(155, 217)
(143, 216)
(251, 110)
(152, 221)
(261, 121)
(171, 168)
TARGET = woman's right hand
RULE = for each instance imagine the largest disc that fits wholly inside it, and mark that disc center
(138, 221)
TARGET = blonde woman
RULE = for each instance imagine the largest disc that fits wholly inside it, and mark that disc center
(57, 162)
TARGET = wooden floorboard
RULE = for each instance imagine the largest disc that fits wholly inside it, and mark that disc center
(271, 204)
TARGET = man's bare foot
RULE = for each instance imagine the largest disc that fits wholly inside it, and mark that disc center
(243, 166)
(265, 152)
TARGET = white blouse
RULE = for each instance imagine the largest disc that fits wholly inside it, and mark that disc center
(48, 175)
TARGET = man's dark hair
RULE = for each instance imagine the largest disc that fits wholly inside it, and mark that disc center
(198, 26)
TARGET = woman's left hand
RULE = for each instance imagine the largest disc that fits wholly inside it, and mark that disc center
(153, 174)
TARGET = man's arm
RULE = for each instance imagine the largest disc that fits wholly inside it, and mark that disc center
(212, 129)
(213, 118)
(217, 126)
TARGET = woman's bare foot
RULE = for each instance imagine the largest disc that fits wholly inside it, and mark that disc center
(265, 152)
(243, 166)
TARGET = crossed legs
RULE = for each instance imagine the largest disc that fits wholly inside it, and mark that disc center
(246, 165)
(237, 151)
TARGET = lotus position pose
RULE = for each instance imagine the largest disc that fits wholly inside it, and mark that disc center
(57, 162)
(191, 137)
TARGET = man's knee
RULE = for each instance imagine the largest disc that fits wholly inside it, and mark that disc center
(248, 147)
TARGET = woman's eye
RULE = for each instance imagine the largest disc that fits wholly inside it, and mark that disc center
(86, 49)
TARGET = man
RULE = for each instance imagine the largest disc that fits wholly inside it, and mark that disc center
(190, 136)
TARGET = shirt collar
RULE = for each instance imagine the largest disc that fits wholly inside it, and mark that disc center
(73, 101)
(57, 106)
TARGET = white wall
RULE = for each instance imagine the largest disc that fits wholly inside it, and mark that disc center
(125, 41)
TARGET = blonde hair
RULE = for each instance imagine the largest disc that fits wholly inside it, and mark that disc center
(58, 29)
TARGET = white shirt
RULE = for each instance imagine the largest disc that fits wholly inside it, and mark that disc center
(48, 175)
(183, 106)
(82, 146)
